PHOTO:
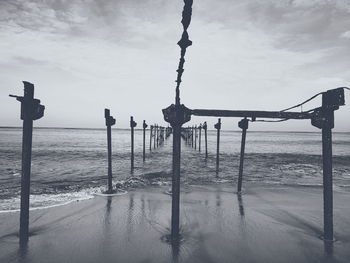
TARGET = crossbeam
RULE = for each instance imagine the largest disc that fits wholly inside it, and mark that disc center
(252, 114)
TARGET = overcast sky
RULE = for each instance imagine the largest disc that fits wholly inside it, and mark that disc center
(86, 55)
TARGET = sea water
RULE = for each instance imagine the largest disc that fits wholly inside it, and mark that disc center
(71, 164)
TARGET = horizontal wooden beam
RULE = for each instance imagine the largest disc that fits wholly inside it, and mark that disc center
(252, 114)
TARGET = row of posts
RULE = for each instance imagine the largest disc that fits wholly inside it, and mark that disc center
(192, 133)
(31, 110)
(157, 133)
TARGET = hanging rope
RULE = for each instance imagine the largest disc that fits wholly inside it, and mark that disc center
(183, 43)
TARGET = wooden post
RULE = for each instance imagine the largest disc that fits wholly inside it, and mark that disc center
(110, 121)
(217, 127)
(154, 136)
(192, 136)
(195, 137)
(176, 115)
(150, 137)
(30, 110)
(327, 183)
(144, 140)
(323, 118)
(132, 126)
(243, 124)
(200, 137)
(205, 127)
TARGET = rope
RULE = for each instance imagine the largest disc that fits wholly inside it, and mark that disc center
(183, 43)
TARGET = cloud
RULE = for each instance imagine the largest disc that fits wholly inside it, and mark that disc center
(249, 54)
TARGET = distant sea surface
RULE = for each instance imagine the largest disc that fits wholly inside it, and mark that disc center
(71, 164)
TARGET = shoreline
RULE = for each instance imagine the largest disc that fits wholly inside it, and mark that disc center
(223, 182)
(216, 226)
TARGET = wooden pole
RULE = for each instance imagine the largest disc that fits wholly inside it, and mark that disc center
(154, 136)
(217, 127)
(192, 136)
(327, 183)
(205, 127)
(200, 137)
(132, 126)
(243, 124)
(150, 137)
(109, 122)
(144, 140)
(195, 137)
(31, 109)
(26, 165)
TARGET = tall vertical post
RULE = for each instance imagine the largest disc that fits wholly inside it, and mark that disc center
(132, 126)
(30, 110)
(195, 137)
(200, 137)
(150, 137)
(192, 136)
(157, 132)
(176, 115)
(205, 127)
(327, 182)
(154, 135)
(243, 124)
(175, 206)
(109, 122)
(144, 140)
(217, 126)
(323, 118)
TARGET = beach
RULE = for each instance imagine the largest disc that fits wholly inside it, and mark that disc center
(266, 224)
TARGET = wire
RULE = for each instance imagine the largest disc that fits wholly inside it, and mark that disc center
(300, 104)
(271, 120)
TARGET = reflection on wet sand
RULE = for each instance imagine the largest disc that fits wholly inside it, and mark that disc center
(216, 226)
(240, 204)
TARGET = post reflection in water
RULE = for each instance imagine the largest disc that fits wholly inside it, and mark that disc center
(328, 249)
(130, 215)
(240, 204)
(23, 251)
(175, 249)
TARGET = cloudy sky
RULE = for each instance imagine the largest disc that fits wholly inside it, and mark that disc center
(85, 55)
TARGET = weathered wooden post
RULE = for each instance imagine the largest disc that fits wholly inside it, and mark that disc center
(132, 126)
(324, 119)
(176, 115)
(150, 137)
(157, 135)
(144, 140)
(217, 126)
(205, 127)
(195, 137)
(31, 109)
(243, 124)
(154, 136)
(110, 121)
(200, 137)
(192, 137)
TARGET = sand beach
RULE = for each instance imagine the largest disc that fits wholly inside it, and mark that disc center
(267, 224)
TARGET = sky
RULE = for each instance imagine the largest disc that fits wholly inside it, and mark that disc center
(84, 56)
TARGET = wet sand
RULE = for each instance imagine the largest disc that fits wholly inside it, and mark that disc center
(268, 224)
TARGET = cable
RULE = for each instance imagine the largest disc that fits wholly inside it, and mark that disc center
(271, 120)
(302, 102)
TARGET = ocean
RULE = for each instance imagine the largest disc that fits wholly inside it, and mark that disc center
(71, 164)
